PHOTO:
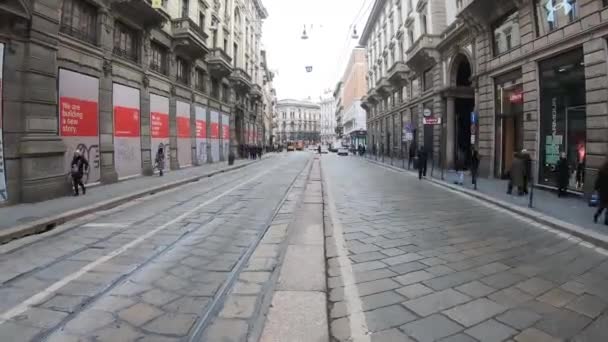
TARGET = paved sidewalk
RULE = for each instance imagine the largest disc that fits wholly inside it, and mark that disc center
(572, 209)
(20, 214)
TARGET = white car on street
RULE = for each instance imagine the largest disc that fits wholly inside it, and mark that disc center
(342, 151)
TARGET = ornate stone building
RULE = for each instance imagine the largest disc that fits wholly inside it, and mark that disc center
(328, 120)
(117, 79)
(497, 76)
(298, 121)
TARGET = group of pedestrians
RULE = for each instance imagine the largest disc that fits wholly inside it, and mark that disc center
(254, 152)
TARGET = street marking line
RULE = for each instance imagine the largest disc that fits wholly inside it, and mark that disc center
(39, 297)
(359, 331)
(105, 225)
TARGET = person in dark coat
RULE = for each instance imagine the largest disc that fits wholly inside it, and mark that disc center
(516, 175)
(527, 161)
(422, 160)
(412, 155)
(601, 186)
(160, 159)
(563, 175)
(78, 167)
(474, 167)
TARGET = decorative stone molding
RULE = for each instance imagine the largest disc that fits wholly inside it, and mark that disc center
(145, 81)
(107, 67)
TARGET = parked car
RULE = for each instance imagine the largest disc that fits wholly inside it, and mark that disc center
(342, 151)
(291, 148)
(324, 150)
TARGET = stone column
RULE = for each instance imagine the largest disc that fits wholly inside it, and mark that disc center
(173, 162)
(193, 155)
(144, 112)
(597, 109)
(449, 132)
(106, 122)
(31, 114)
(208, 128)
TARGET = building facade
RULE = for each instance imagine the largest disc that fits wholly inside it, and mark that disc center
(328, 120)
(269, 103)
(298, 121)
(499, 77)
(117, 80)
(350, 116)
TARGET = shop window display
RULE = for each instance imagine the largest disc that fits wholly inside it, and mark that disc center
(563, 117)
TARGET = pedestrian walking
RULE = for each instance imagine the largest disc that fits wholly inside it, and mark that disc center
(527, 162)
(563, 175)
(474, 167)
(319, 149)
(159, 160)
(460, 166)
(580, 174)
(601, 186)
(422, 161)
(412, 155)
(78, 167)
(516, 175)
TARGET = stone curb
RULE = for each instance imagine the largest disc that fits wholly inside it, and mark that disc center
(600, 240)
(48, 223)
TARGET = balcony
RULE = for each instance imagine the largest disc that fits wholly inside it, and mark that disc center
(256, 92)
(365, 104)
(241, 81)
(482, 13)
(140, 11)
(189, 38)
(398, 73)
(423, 54)
(384, 86)
(219, 63)
(372, 96)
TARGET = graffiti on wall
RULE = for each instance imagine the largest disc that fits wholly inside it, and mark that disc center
(226, 134)
(159, 128)
(127, 141)
(79, 119)
(201, 134)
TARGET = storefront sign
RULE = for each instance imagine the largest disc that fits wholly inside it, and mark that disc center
(79, 119)
(214, 136)
(127, 142)
(201, 134)
(159, 128)
(184, 144)
(516, 97)
(432, 120)
(408, 132)
(3, 190)
(474, 117)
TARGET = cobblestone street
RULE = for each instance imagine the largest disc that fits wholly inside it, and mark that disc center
(409, 260)
(181, 265)
(239, 257)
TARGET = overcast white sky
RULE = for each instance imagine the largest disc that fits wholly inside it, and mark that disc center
(327, 50)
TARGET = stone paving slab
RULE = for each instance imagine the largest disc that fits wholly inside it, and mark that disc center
(469, 271)
(163, 270)
(25, 219)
